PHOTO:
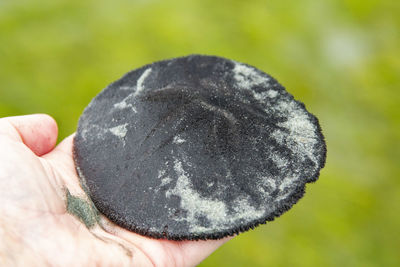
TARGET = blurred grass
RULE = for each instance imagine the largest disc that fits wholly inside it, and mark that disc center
(341, 58)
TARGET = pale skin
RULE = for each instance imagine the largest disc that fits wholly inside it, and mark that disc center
(37, 230)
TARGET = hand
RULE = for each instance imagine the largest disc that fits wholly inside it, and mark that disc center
(37, 230)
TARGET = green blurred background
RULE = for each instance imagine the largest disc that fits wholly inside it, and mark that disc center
(341, 58)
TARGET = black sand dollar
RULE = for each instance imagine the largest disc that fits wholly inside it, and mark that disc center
(198, 147)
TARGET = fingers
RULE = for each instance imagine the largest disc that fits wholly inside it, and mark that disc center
(38, 132)
(166, 252)
(187, 253)
(196, 251)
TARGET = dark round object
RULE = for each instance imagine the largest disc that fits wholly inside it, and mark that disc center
(198, 147)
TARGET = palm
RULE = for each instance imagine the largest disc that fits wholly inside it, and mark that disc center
(35, 224)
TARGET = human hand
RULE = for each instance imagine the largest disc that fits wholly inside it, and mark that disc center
(36, 228)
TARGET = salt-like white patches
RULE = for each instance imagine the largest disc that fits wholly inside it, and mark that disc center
(161, 173)
(193, 203)
(214, 210)
(165, 181)
(272, 93)
(298, 122)
(139, 87)
(120, 130)
(247, 77)
(140, 81)
(266, 182)
(92, 131)
(281, 197)
(123, 104)
(280, 162)
(302, 133)
(84, 134)
(270, 182)
(279, 136)
(127, 87)
(300, 138)
(287, 182)
(245, 211)
(178, 140)
(265, 95)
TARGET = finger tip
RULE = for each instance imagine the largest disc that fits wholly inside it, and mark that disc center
(42, 135)
(37, 131)
(51, 127)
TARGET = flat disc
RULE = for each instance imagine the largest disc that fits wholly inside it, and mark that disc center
(198, 147)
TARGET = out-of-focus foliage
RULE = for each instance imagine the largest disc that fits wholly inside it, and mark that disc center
(340, 57)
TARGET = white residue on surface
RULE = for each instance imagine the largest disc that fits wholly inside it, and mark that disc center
(161, 173)
(120, 130)
(140, 81)
(272, 93)
(244, 210)
(127, 87)
(93, 130)
(246, 78)
(178, 140)
(268, 181)
(287, 182)
(139, 87)
(163, 178)
(281, 197)
(214, 210)
(124, 104)
(165, 181)
(301, 137)
(193, 203)
(265, 95)
(280, 162)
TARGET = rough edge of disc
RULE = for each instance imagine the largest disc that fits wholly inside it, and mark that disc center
(292, 199)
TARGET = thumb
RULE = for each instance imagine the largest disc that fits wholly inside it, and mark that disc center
(38, 132)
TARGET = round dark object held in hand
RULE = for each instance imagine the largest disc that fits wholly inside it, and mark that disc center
(198, 147)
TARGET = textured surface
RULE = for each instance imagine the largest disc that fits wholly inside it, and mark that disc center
(196, 147)
(338, 57)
